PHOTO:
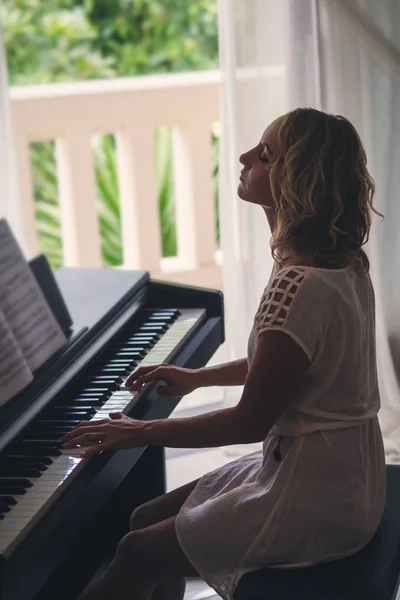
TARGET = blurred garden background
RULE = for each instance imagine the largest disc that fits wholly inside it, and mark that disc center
(70, 40)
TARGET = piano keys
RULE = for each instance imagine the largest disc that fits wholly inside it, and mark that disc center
(42, 487)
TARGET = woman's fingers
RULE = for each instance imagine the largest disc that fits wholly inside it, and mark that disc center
(93, 428)
(84, 439)
(141, 379)
(139, 373)
(77, 430)
(95, 449)
(114, 415)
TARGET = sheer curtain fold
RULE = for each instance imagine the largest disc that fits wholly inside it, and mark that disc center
(340, 56)
(359, 79)
(251, 71)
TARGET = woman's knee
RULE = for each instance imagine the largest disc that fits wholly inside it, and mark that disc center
(161, 508)
(143, 516)
(132, 553)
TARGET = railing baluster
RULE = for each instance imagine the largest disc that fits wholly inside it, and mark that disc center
(77, 196)
(140, 224)
(194, 197)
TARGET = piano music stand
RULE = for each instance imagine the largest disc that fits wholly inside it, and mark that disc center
(48, 284)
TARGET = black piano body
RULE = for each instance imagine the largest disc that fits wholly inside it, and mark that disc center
(82, 524)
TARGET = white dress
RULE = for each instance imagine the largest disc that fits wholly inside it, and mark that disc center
(316, 491)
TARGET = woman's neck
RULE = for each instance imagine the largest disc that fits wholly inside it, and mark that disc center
(270, 214)
(293, 260)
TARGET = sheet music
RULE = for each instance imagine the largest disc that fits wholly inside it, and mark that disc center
(25, 309)
(15, 373)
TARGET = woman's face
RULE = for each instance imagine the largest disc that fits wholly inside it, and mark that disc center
(254, 184)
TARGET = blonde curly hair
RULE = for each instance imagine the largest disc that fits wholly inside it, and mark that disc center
(322, 190)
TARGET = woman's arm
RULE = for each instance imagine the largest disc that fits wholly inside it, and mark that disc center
(179, 381)
(277, 370)
(231, 373)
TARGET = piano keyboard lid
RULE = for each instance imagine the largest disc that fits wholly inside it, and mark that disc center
(95, 299)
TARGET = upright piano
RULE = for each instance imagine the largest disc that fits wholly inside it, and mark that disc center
(62, 516)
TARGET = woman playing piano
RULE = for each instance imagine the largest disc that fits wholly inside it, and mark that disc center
(316, 490)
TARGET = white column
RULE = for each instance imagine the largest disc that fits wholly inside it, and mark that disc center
(194, 196)
(77, 197)
(140, 223)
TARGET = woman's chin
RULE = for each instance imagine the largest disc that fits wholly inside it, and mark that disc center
(241, 191)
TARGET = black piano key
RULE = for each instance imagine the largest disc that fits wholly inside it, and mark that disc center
(146, 335)
(15, 490)
(23, 462)
(158, 318)
(61, 422)
(143, 345)
(110, 383)
(20, 472)
(159, 329)
(1, 516)
(100, 379)
(91, 391)
(163, 317)
(126, 364)
(89, 397)
(52, 426)
(8, 499)
(38, 448)
(71, 408)
(175, 312)
(131, 354)
(81, 412)
(148, 327)
(121, 371)
(4, 507)
(149, 341)
(79, 402)
(92, 395)
(44, 439)
(48, 436)
(118, 362)
(15, 481)
(45, 460)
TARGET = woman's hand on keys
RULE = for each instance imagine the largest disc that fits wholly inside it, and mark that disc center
(119, 431)
(177, 380)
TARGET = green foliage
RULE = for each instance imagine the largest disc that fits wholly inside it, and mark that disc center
(107, 200)
(156, 36)
(49, 41)
(67, 40)
(165, 185)
(46, 205)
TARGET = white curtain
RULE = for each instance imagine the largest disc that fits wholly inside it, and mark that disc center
(360, 78)
(342, 56)
(10, 199)
(252, 96)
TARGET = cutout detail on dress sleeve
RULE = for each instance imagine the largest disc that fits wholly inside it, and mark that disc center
(275, 304)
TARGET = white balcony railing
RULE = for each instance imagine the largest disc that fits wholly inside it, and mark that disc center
(131, 108)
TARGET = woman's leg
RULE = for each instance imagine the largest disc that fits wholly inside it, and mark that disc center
(161, 508)
(144, 558)
(154, 511)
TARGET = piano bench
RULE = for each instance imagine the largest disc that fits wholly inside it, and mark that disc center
(371, 574)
